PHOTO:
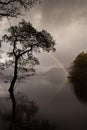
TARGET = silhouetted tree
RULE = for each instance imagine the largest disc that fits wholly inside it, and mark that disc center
(79, 67)
(13, 8)
(78, 77)
(25, 41)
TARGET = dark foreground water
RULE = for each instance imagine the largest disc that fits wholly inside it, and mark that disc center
(43, 102)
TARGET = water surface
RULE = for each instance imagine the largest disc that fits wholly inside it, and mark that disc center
(55, 97)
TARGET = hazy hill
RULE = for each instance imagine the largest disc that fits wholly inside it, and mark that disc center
(56, 75)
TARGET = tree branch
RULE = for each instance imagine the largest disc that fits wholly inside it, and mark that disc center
(13, 4)
(5, 14)
(22, 2)
(6, 3)
(29, 49)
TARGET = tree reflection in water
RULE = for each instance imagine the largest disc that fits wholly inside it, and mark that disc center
(23, 112)
(22, 116)
(80, 90)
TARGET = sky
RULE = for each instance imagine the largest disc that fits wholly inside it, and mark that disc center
(66, 20)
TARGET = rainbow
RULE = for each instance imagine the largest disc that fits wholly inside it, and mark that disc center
(65, 71)
(59, 64)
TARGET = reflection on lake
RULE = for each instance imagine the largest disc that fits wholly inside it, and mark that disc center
(80, 90)
(22, 114)
(59, 101)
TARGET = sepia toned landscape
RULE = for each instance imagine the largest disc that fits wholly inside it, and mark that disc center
(43, 65)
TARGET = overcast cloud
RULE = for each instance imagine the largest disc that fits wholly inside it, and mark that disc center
(66, 20)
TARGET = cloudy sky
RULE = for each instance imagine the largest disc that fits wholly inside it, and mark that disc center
(66, 20)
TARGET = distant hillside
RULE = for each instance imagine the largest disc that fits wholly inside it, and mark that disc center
(56, 75)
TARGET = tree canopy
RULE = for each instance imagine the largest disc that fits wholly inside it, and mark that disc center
(25, 42)
(13, 8)
(79, 67)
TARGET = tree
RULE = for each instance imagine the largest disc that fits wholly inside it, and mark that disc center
(78, 76)
(79, 67)
(13, 8)
(25, 41)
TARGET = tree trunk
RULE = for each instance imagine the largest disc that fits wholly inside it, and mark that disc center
(11, 89)
(13, 121)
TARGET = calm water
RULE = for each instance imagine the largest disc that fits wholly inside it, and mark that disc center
(53, 98)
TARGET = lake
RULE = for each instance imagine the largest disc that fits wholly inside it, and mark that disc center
(59, 104)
